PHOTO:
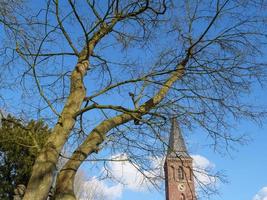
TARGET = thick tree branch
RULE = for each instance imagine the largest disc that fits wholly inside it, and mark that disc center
(98, 134)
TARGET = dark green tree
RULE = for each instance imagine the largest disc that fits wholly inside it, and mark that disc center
(20, 143)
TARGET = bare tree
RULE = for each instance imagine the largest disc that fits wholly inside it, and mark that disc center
(109, 74)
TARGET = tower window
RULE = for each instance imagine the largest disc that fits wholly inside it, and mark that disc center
(173, 172)
(182, 197)
(190, 174)
(180, 173)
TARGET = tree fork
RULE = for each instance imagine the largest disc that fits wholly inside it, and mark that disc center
(65, 179)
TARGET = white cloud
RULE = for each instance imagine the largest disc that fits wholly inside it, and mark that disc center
(133, 179)
(127, 173)
(131, 175)
(94, 189)
(100, 190)
(202, 162)
(261, 195)
(202, 171)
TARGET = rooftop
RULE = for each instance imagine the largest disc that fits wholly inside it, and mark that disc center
(177, 146)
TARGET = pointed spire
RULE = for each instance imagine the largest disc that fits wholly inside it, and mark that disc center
(176, 142)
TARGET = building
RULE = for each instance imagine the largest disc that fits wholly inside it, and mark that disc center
(179, 181)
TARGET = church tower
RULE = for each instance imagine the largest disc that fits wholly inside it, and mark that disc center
(179, 181)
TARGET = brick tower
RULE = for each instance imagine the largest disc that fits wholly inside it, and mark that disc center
(179, 181)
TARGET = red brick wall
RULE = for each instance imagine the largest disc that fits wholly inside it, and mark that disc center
(176, 186)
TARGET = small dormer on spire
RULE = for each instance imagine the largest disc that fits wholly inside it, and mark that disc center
(177, 146)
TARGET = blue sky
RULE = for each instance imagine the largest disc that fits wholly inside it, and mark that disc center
(244, 166)
(245, 170)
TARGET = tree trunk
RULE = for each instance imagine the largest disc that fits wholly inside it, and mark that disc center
(65, 179)
(45, 164)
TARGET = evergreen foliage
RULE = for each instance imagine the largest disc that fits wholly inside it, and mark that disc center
(19, 146)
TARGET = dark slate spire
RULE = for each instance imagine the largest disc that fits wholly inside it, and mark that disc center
(176, 142)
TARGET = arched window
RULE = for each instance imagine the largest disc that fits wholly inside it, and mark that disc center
(190, 174)
(182, 197)
(180, 173)
(173, 172)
